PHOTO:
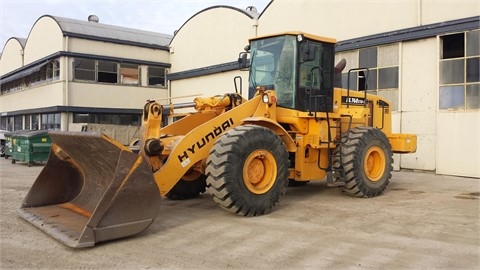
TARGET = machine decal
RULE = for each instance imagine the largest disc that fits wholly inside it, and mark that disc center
(185, 162)
(353, 100)
(217, 131)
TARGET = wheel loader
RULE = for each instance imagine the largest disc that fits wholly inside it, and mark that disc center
(295, 127)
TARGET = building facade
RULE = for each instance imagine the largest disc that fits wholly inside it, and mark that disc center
(422, 55)
(69, 73)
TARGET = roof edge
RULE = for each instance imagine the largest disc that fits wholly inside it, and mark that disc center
(206, 9)
(411, 33)
(116, 41)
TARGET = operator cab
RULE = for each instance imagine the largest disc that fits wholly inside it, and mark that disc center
(298, 66)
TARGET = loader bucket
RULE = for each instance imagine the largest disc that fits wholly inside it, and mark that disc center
(92, 189)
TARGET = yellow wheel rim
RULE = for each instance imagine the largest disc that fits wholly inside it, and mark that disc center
(259, 171)
(374, 163)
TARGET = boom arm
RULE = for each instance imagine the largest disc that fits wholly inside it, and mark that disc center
(181, 146)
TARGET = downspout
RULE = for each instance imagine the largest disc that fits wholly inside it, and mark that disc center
(400, 96)
(66, 76)
(419, 13)
(255, 34)
(22, 53)
(169, 86)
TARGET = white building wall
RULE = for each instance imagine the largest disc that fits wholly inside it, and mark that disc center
(346, 19)
(78, 45)
(341, 19)
(212, 37)
(34, 97)
(433, 11)
(11, 57)
(458, 144)
(45, 38)
(111, 95)
(418, 102)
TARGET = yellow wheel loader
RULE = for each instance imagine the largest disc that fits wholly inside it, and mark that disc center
(295, 127)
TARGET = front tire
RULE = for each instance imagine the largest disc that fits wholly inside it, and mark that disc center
(367, 162)
(247, 170)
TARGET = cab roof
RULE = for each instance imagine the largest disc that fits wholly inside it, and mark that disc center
(296, 33)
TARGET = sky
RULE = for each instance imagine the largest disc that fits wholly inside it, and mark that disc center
(163, 16)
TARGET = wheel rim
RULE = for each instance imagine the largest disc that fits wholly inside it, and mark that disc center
(259, 171)
(374, 164)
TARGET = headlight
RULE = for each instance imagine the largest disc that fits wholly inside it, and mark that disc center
(265, 98)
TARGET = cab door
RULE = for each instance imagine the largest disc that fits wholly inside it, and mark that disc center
(315, 82)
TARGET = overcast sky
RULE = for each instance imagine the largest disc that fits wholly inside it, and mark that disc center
(163, 16)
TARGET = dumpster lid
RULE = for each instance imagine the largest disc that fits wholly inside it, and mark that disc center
(33, 133)
(18, 132)
(4, 133)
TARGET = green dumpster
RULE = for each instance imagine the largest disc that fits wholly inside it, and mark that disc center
(31, 147)
(10, 141)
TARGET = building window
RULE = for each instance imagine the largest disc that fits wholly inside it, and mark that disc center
(3, 123)
(51, 121)
(27, 121)
(13, 86)
(129, 74)
(388, 78)
(42, 74)
(453, 46)
(108, 119)
(10, 123)
(460, 71)
(37, 78)
(156, 76)
(107, 72)
(35, 121)
(84, 69)
(382, 77)
(53, 70)
(368, 59)
(18, 122)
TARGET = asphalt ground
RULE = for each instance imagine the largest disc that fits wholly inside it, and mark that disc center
(423, 221)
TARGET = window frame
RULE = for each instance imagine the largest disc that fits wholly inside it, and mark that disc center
(51, 121)
(374, 79)
(162, 77)
(126, 73)
(89, 71)
(107, 119)
(463, 80)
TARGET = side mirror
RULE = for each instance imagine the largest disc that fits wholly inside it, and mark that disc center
(242, 60)
(309, 52)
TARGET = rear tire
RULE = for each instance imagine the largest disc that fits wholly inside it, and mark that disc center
(247, 170)
(367, 162)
